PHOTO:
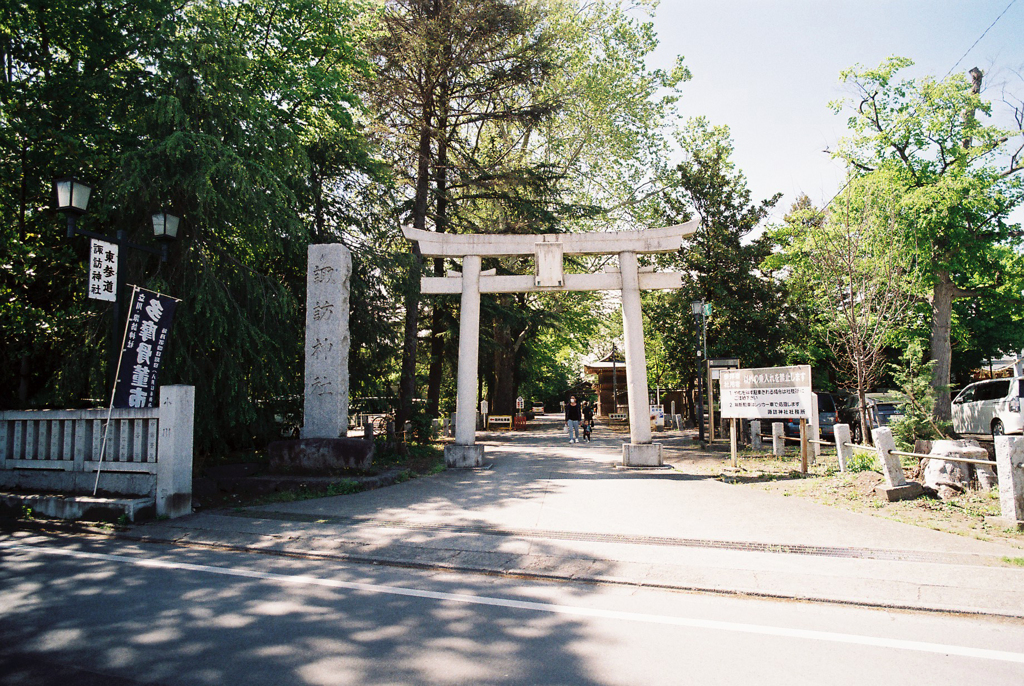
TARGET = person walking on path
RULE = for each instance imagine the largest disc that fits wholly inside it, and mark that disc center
(572, 419)
(588, 420)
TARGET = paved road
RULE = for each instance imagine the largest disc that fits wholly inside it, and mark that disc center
(548, 509)
(98, 611)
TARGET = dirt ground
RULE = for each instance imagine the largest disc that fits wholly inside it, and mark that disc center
(964, 515)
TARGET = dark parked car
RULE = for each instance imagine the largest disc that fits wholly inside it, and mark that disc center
(826, 418)
(883, 409)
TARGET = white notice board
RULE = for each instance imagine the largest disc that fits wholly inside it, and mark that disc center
(767, 393)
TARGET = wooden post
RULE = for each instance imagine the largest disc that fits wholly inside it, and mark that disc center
(733, 441)
(803, 445)
(711, 406)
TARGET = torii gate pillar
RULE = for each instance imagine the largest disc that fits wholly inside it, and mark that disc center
(640, 451)
(548, 251)
(465, 452)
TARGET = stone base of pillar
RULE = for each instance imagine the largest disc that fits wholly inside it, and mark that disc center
(907, 491)
(463, 455)
(641, 455)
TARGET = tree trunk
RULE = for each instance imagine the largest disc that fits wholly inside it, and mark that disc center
(23, 380)
(941, 348)
(438, 328)
(437, 324)
(503, 393)
(407, 382)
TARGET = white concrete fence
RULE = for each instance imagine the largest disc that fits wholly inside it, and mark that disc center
(148, 451)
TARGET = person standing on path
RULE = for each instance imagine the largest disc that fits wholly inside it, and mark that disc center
(572, 419)
(588, 420)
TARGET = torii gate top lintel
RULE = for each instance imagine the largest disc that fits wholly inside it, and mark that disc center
(665, 239)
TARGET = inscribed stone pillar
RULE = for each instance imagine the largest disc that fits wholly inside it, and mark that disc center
(325, 415)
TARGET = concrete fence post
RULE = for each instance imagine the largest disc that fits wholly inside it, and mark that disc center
(1010, 465)
(896, 485)
(843, 451)
(778, 439)
(174, 451)
(892, 468)
(755, 435)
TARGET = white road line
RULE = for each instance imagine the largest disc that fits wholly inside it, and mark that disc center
(736, 627)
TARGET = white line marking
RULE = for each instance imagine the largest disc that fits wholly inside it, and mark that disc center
(736, 627)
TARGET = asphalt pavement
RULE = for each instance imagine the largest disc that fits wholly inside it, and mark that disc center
(545, 509)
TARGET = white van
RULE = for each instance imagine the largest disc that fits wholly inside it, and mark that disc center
(989, 408)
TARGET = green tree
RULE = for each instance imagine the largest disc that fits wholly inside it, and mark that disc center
(241, 117)
(958, 182)
(71, 77)
(721, 266)
(590, 164)
(442, 67)
(855, 272)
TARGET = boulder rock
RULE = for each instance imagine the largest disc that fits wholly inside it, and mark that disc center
(947, 476)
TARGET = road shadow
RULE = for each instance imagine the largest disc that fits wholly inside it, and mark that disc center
(72, 620)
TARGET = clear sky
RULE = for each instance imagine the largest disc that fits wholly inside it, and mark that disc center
(768, 70)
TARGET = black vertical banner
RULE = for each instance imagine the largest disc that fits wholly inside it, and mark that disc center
(149, 321)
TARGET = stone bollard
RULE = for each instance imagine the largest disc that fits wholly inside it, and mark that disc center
(174, 451)
(897, 487)
(778, 439)
(368, 431)
(1010, 464)
(843, 450)
(755, 435)
(679, 422)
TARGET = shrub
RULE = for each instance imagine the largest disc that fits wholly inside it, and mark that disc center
(862, 461)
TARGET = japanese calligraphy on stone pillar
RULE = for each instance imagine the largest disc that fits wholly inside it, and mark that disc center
(149, 320)
(102, 270)
(328, 270)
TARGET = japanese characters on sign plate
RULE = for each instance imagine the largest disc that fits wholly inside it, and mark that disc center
(767, 393)
(149, 320)
(102, 270)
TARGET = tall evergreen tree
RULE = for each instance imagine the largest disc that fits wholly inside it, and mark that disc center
(721, 263)
(444, 67)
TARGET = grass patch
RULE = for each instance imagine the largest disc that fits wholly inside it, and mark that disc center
(1015, 561)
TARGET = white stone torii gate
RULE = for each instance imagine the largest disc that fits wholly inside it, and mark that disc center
(548, 251)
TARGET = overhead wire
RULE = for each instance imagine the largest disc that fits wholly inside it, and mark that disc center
(955, 65)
